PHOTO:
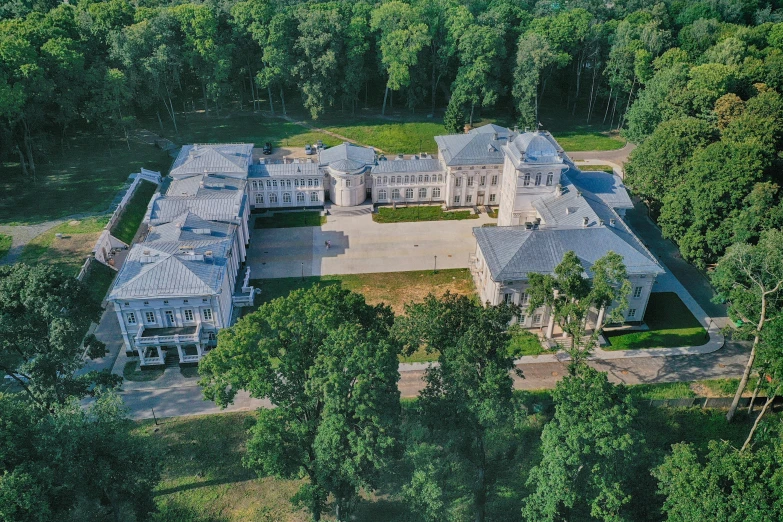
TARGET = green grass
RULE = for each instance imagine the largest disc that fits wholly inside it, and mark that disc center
(659, 391)
(83, 178)
(393, 288)
(291, 220)
(671, 325)
(524, 343)
(596, 168)
(189, 372)
(131, 217)
(131, 372)
(582, 140)
(69, 252)
(98, 279)
(5, 245)
(404, 137)
(419, 213)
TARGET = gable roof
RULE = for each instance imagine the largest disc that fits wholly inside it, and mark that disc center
(205, 186)
(231, 159)
(264, 170)
(608, 187)
(512, 253)
(168, 208)
(189, 227)
(407, 166)
(473, 148)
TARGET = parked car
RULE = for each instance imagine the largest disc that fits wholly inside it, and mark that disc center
(320, 145)
(309, 149)
(267, 148)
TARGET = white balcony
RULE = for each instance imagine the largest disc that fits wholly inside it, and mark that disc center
(168, 336)
(244, 299)
(151, 361)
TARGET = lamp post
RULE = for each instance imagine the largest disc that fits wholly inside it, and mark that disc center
(435, 266)
(302, 270)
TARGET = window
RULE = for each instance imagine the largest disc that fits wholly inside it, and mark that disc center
(207, 313)
(458, 182)
(538, 179)
(469, 198)
(537, 319)
(483, 181)
(427, 178)
(296, 182)
(274, 183)
(637, 292)
(456, 200)
(522, 319)
(334, 181)
(301, 182)
(631, 313)
(421, 178)
(381, 194)
(399, 179)
(508, 298)
(422, 193)
(492, 198)
(494, 180)
(131, 318)
(212, 336)
(436, 192)
(170, 317)
(286, 197)
(288, 183)
(310, 182)
(273, 198)
(440, 177)
(396, 194)
(316, 182)
(525, 298)
(409, 193)
(259, 199)
(314, 197)
(188, 315)
(268, 183)
(385, 181)
(470, 181)
(347, 182)
(549, 178)
(300, 198)
(407, 179)
(149, 317)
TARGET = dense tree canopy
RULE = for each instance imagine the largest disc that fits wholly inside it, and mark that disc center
(325, 360)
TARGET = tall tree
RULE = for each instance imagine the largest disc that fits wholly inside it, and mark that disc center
(43, 317)
(750, 278)
(468, 401)
(588, 451)
(324, 359)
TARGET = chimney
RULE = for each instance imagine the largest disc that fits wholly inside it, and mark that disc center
(208, 255)
(579, 193)
(495, 136)
(559, 190)
(585, 221)
(612, 222)
(601, 222)
(516, 129)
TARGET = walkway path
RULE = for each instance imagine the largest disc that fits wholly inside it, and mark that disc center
(618, 156)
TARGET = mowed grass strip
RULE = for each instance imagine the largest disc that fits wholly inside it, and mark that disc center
(290, 220)
(583, 140)
(5, 245)
(671, 325)
(419, 213)
(134, 211)
(404, 137)
(70, 251)
(98, 279)
(595, 168)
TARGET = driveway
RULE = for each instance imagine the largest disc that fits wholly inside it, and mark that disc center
(359, 245)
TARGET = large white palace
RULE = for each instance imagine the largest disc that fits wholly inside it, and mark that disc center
(186, 278)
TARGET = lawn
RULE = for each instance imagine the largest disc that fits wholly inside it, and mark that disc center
(574, 134)
(404, 137)
(69, 252)
(5, 245)
(671, 325)
(290, 220)
(524, 343)
(125, 228)
(419, 213)
(98, 279)
(393, 288)
(132, 372)
(83, 178)
(596, 168)
(585, 139)
(203, 478)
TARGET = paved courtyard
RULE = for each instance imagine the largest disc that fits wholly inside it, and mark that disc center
(359, 245)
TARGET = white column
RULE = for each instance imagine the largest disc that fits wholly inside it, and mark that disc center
(141, 356)
(550, 328)
(160, 353)
(600, 320)
(179, 351)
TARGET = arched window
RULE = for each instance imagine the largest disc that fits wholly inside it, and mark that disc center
(396, 194)
(259, 199)
(422, 193)
(300, 198)
(527, 179)
(381, 194)
(549, 178)
(538, 179)
(314, 197)
(436, 192)
(273, 198)
(409, 193)
(286, 197)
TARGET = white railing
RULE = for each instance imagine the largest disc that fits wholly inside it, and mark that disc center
(242, 299)
(191, 358)
(246, 282)
(151, 360)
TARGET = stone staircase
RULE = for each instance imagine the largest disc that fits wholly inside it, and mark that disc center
(172, 359)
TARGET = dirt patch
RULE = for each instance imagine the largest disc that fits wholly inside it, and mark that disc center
(73, 222)
(397, 297)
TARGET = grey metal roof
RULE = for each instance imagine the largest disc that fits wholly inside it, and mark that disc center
(609, 187)
(407, 166)
(231, 159)
(512, 253)
(480, 148)
(535, 147)
(283, 169)
(206, 186)
(165, 209)
(491, 128)
(347, 165)
(190, 227)
(347, 151)
(172, 269)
